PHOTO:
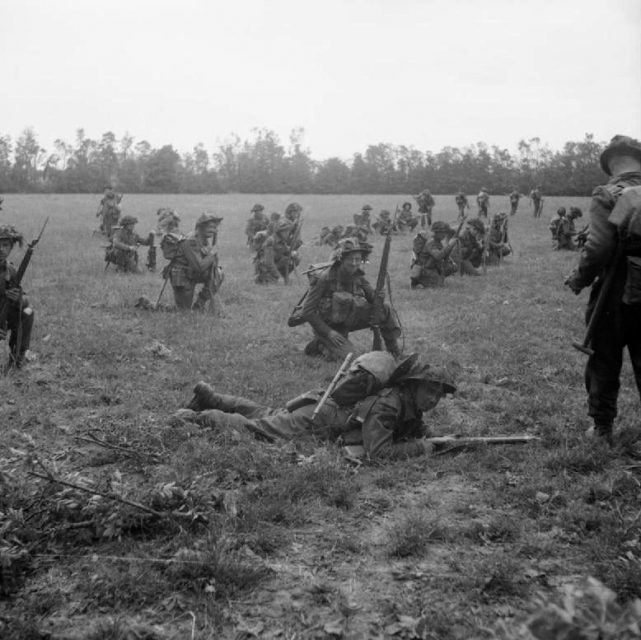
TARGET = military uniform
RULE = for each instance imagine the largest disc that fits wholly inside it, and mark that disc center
(470, 252)
(342, 302)
(498, 242)
(20, 315)
(330, 237)
(514, 197)
(406, 219)
(425, 202)
(555, 223)
(383, 223)
(258, 222)
(462, 203)
(483, 202)
(265, 271)
(363, 221)
(615, 230)
(388, 422)
(537, 200)
(431, 261)
(109, 211)
(196, 262)
(122, 251)
(565, 233)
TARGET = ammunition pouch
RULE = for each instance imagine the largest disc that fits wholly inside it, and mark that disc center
(347, 309)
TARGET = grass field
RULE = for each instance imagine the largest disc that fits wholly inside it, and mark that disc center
(272, 541)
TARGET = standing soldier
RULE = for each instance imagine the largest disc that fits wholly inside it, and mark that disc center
(425, 203)
(461, 202)
(431, 262)
(196, 262)
(13, 302)
(340, 300)
(258, 222)
(612, 254)
(123, 250)
(536, 196)
(109, 210)
(483, 202)
(515, 196)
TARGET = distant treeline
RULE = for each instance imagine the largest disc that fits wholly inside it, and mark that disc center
(263, 165)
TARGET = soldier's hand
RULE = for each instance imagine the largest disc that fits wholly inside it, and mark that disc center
(13, 294)
(336, 339)
(571, 283)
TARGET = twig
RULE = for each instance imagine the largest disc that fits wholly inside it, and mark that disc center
(102, 443)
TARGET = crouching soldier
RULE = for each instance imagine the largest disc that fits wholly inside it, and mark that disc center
(123, 250)
(469, 256)
(340, 300)
(498, 242)
(376, 404)
(431, 262)
(196, 262)
(265, 271)
(16, 316)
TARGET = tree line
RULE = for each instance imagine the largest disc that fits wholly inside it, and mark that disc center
(262, 164)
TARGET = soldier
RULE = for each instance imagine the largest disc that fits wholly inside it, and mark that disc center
(196, 262)
(462, 203)
(285, 247)
(19, 319)
(109, 210)
(514, 196)
(293, 212)
(383, 223)
(469, 256)
(555, 223)
(431, 262)
(258, 222)
(498, 242)
(483, 202)
(340, 300)
(536, 196)
(274, 219)
(123, 250)
(406, 219)
(425, 202)
(567, 230)
(386, 417)
(613, 246)
(363, 220)
(330, 237)
(265, 271)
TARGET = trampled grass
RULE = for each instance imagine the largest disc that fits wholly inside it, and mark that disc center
(480, 536)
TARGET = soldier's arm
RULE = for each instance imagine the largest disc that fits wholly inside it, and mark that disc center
(378, 431)
(310, 312)
(601, 242)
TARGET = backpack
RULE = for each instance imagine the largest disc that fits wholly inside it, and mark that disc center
(170, 245)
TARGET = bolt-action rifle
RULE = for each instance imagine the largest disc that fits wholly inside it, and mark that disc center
(291, 245)
(379, 291)
(332, 385)
(14, 283)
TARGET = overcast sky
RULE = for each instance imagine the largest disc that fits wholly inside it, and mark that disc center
(425, 73)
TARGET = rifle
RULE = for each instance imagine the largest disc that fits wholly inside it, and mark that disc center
(214, 280)
(5, 303)
(332, 385)
(448, 444)
(379, 291)
(608, 279)
(503, 239)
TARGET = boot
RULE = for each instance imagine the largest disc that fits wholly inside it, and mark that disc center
(204, 398)
(602, 431)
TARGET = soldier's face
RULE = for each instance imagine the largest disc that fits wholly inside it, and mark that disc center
(351, 262)
(5, 248)
(209, 229)
(428, 395)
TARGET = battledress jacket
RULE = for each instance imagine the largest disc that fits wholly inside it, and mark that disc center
(602, 237)
(387, 424)
(318, 302)
(194, 261)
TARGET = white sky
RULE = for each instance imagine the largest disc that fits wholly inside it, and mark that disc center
(426, 73)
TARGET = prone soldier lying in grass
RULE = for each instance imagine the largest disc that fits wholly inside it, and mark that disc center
(378, 404)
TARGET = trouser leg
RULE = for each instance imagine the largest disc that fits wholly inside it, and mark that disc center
(183, 296)
(631, 323)
(20, 325)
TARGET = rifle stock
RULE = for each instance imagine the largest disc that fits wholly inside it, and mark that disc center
(379, 291)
